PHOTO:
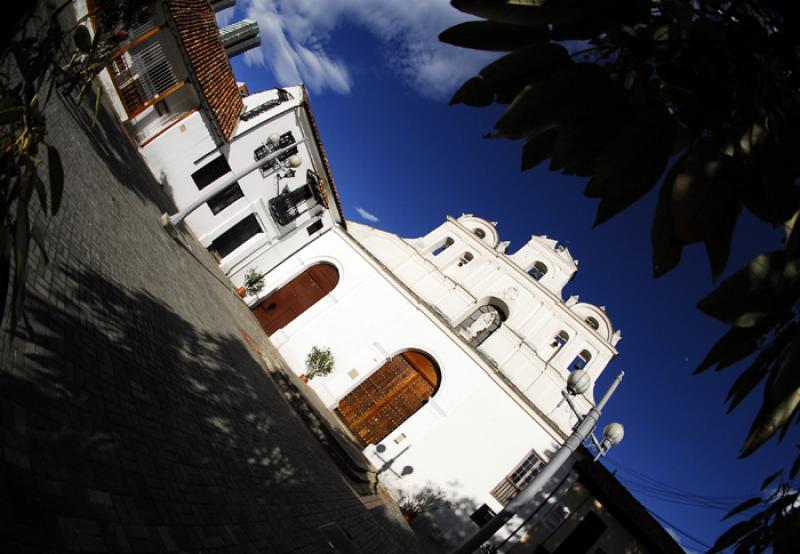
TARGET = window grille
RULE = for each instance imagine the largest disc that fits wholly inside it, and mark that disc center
(266, 149)
(518, 479)
(285, 207)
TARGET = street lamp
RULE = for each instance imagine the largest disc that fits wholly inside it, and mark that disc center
(577, 383)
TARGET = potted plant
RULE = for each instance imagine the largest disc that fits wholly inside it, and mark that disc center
(253, 281)
(318, 362)
(428, 499)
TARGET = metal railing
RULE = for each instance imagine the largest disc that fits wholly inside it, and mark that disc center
(142, 74)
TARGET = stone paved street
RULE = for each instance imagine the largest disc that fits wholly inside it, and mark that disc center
(135, 417)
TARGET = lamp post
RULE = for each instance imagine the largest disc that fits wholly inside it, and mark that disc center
(577, 383)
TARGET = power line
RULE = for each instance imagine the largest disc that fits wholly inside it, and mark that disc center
(679, 530)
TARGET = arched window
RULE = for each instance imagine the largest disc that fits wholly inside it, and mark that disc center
(592, 322)
(444, 246)
(480, 233)
(465, 259)
(481, 324)
(560, 340)
(581, 360)
(538, 270)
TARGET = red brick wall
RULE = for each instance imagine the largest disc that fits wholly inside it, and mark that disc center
(198, 33)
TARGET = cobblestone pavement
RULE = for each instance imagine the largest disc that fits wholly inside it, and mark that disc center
(135, 416)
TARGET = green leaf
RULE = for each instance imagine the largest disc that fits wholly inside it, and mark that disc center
(508, 75)
(537, 149)
(475, 92)
(734, 534)
(571, 93)
(518, 14)
(792, 235)
(795, 468)
(492, 36)
(746, 505)
(56, 172)
(781, 400)
(760, 367)
(745, 384)
(735, 344)
(667, 249)
(770, 479)
(11, 109)
(83, 39)
(629, 167)
(97, 104)
(764, 287)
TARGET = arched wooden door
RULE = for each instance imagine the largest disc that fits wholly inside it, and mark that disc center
(282, 306)
(389, 396)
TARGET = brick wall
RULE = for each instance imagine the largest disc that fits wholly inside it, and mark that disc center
(199, 36)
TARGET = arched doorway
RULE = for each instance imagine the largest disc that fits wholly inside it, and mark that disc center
(389, 396)
(282, 306)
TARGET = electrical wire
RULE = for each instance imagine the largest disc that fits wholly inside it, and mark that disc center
(680, 531)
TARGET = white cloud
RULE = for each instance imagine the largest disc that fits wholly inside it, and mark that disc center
(366, 215)
(296, 34)
(225, 16)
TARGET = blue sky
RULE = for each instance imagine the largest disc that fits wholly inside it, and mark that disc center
(403, 159)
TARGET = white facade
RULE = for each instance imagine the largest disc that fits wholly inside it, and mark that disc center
(496, 402)
(179, 155)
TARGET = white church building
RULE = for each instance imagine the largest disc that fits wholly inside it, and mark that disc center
(450, 353)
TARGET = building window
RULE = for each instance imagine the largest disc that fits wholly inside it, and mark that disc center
(465, 259)
(518, 479)
(592, 322)
(560, 340)
(314, 227)
(234, 237)
(210, 172)
(580, 360)
(481, 324)
(448, 242)
(225, 198)
(285, 207)
(266, 149)
(480, 233)
(538, 271)
(583, 536)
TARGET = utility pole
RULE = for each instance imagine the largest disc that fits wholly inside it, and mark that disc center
(578, 383)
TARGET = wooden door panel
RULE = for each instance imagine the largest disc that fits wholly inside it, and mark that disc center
(295, 297)
(389, 397)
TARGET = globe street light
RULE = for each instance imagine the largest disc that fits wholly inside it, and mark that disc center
(577, 383)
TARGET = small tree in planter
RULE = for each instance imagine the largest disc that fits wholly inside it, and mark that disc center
(319, 362)
(254, 281)
(428, 499)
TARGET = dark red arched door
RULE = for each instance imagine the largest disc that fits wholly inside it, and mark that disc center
(282, 306)
(388, 397)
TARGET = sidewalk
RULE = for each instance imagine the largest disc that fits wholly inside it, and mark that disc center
(135, 416)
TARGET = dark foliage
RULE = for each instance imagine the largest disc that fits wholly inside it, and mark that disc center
(703, 99)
